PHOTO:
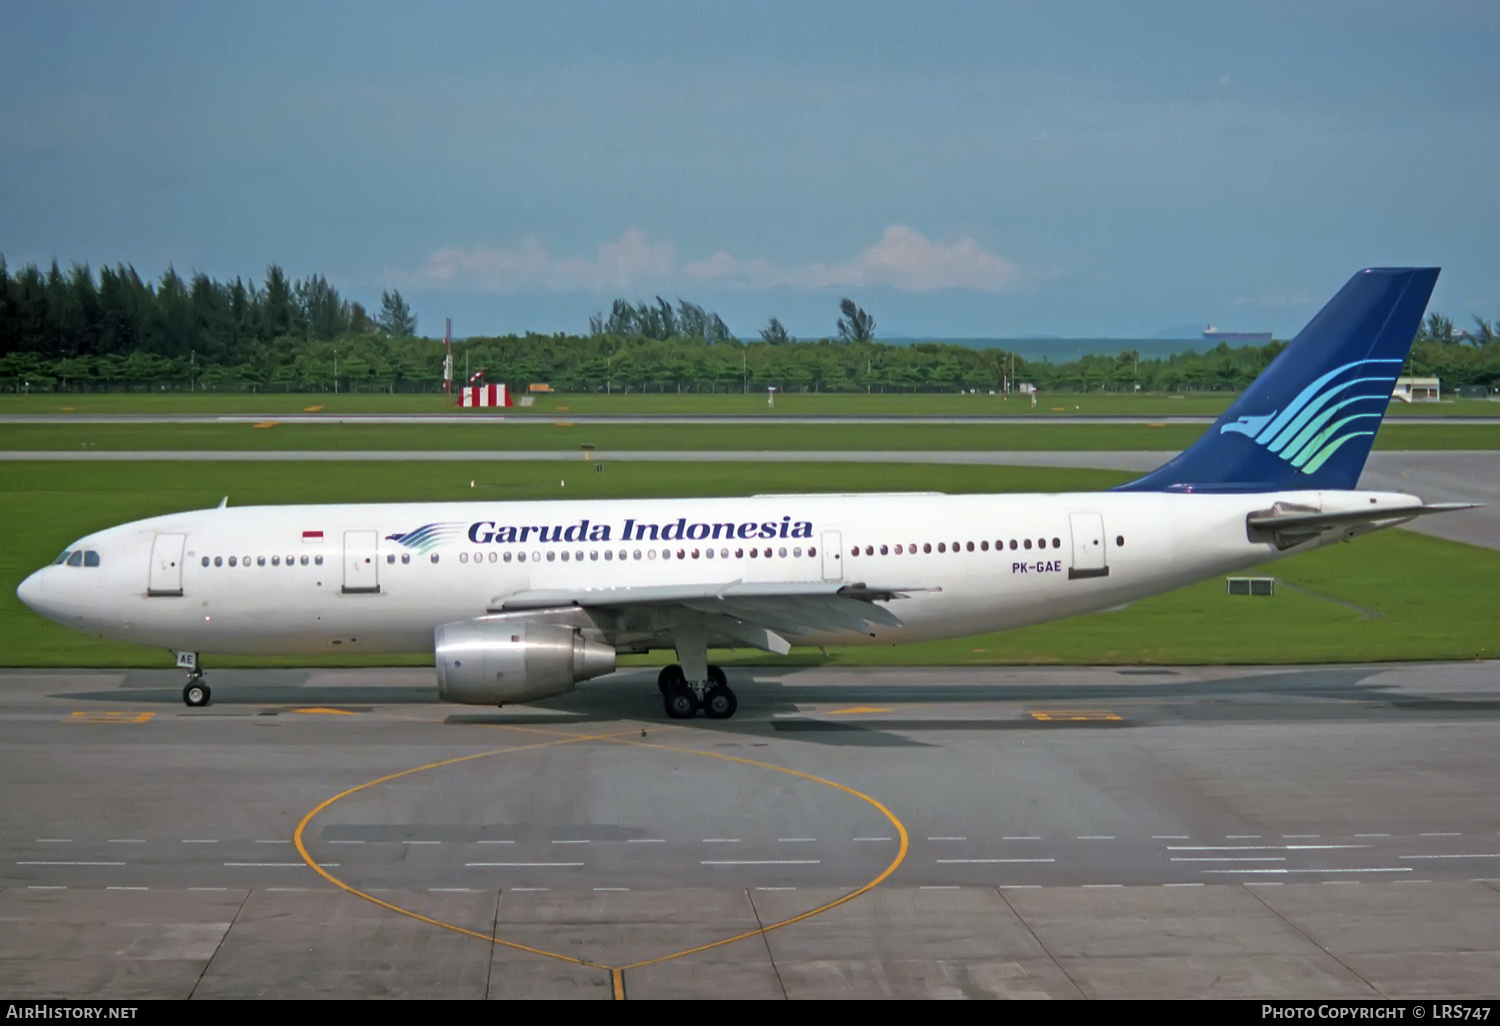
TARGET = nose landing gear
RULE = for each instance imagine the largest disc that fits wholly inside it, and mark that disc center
(195, 693)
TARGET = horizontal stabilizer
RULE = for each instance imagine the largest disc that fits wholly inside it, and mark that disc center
(1293, 527)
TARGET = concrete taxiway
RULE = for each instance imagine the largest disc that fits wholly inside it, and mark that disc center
(1302, 832)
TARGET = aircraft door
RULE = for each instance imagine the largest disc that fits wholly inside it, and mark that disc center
(165, 579)
(1088, 546)
(361, 565)
(833, 556)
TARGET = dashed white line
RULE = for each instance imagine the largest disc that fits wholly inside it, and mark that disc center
(721, 840)
(775, 888)
(495, 842)
(938, 887)
(531, 888)
(872, 838)
(1183, 885)
(57, 863)
(273, 841)
(1169, 837)
(448, 890)
(512, 865)
(571, 842)
(1372, 835)
(1473, 855)
(645, 840)
(46, 887)
(1096, 837)
(200, 840)
(1020, 887)
(759, 862)
(985, 861)
(1242, 837)
(127, 888)
(421, 842)
(611, 888)
(947, 838)
(1021, 837)
(1370, 869)
(208, 888)
(54, 840)
(343, 842)
(1095, 886)
(1300, 837)
(279, 865)
(1453, 833)
(286, 888)
(1229, 858)
(1264, 847)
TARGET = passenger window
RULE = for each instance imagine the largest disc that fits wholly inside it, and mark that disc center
(260, 560)
(1119, 540)
(318, 560)
(723, 553)
(520, 557)
(739, 553)
(205, 561)
(1027, 543)
(218, 561)
(767, 553)
(1057, 543)
(390, 559)
(984, 546)
(811, 551)
(594, 555)
(90, 558)
(507, 557)
(245, 561)
(798, 551)
(707, 553)
(898, 550)
(852, 552)
(755, 553)
(681, 554)
(434, 558)
(609, 555)
(463, 557)
(637, 554)
(782, 552)
(406, 557)
(231, 561)
(304, 560)
(578, 556)
(968, 546)
(494, 557)
(564, 557)
(552, 556)
(275, 560)
(76, 558)
(927, 546)
(942, 547)
(1013, 544)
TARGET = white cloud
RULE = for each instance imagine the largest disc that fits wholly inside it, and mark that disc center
(631, 260)
(903, 258)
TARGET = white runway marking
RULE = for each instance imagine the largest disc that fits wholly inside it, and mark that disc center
(985, 861)
(1374, 869)
(872, 838)
(208, 888)
(343, 842)
(611, 888)
(775, 888)
(279, 865)
(570, 842)
(759, 862)
(1475, 855)
(54, 840)
(1169, 837)
(1020, 887)
(937, 887)
(1263, 847)
(1299, 837)
(1447, 834)
(1096, 837)
(947, 838)
(70, 863)
(421, 842)
(127, 888)
(1372, 835)
(645, 840)
(1089, 886)
(512, 865)
(1021, 837)
(528, 889)
(273, 841)
(721, 840)
(200, 840)
(1184, 885)
(449, 890)
(1242, 837)
(1231, 858)
(46, 887)
(496, 842)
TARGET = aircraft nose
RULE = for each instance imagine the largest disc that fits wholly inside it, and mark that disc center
(30, 591)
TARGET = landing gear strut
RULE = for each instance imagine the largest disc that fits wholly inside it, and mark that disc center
(195, 693)
(683, 698)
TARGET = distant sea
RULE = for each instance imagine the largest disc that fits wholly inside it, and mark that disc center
(1061, 350)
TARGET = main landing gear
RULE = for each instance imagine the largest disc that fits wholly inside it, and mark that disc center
(683, 699)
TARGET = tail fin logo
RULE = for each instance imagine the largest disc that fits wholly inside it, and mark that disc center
(427, 537)
(1344, 404)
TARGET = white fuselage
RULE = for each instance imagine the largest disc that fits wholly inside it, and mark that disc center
(363, 578)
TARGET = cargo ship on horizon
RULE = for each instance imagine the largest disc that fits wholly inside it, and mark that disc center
(1213, 334)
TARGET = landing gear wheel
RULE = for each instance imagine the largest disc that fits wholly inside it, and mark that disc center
(716, 678)
(681, 703)
(719, 703)
(196, 694)
(670, 677)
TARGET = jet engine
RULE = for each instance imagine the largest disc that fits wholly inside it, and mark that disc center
(491, 661)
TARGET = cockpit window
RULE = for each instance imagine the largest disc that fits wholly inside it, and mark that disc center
(90, 558)
(63, 558)
(76, 558)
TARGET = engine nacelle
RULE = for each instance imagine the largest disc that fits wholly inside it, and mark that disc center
(499, 660)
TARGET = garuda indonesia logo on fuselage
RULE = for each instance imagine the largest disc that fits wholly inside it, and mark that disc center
(1324, 417)
(428, 537)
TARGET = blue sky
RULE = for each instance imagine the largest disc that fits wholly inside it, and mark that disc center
(960, 169)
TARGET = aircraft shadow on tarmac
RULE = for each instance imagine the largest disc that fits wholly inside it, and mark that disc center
(774, 707)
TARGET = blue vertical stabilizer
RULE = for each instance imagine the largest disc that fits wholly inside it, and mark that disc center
(1310, 418)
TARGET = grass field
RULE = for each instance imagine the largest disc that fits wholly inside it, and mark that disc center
(724, 403)
(1390, 596)
(565, 436)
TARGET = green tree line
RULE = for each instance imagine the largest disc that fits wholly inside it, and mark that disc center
(76, 331)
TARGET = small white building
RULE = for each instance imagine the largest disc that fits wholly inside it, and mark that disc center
(1416, 390)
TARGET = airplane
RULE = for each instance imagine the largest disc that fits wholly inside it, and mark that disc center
(520, 601)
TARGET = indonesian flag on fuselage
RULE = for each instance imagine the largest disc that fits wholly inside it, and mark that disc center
(312, 536)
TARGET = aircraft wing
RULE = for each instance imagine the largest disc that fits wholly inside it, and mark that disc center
(757, 614)
(1291, 527)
